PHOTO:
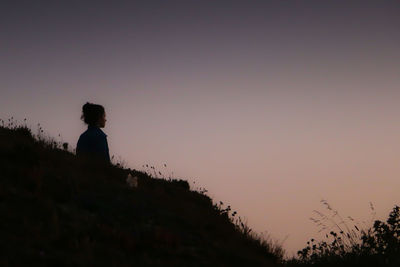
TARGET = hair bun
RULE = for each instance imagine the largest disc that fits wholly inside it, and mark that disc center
(86, 106)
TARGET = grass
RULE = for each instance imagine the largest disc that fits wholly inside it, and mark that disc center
(61, 210)
(350, 244)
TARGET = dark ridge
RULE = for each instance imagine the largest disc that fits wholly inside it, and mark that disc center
(60, 210)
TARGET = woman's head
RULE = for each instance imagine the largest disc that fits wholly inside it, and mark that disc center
(94, 115)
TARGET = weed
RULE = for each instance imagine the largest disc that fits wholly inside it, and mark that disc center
(356, 245)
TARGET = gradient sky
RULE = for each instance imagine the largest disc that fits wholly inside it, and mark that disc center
(269, 105)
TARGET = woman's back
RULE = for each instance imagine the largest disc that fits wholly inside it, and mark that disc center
(93, 142)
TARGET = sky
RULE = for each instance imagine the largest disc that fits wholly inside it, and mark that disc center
(272, 106)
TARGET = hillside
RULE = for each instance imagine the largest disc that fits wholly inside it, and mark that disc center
(59, 210)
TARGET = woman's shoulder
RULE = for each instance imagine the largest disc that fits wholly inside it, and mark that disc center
(94, 132)
(93, 135)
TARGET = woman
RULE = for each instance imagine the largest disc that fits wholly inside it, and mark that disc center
(93, 142)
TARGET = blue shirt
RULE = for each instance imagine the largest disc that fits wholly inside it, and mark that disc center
(93, 142)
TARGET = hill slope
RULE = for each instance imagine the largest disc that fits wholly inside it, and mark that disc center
(60, 210)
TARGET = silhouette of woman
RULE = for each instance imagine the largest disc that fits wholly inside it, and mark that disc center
(93, 142)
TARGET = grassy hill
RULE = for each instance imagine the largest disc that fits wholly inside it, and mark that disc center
(60, 210)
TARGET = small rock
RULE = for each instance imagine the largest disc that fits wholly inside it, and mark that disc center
(132, 181)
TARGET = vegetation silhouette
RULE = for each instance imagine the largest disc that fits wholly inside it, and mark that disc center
(353, 245)
(59, 209)
(62, 210)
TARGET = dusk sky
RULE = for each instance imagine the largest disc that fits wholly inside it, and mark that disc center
(269, 105)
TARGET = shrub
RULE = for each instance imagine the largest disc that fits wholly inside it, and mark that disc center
(377, 246)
